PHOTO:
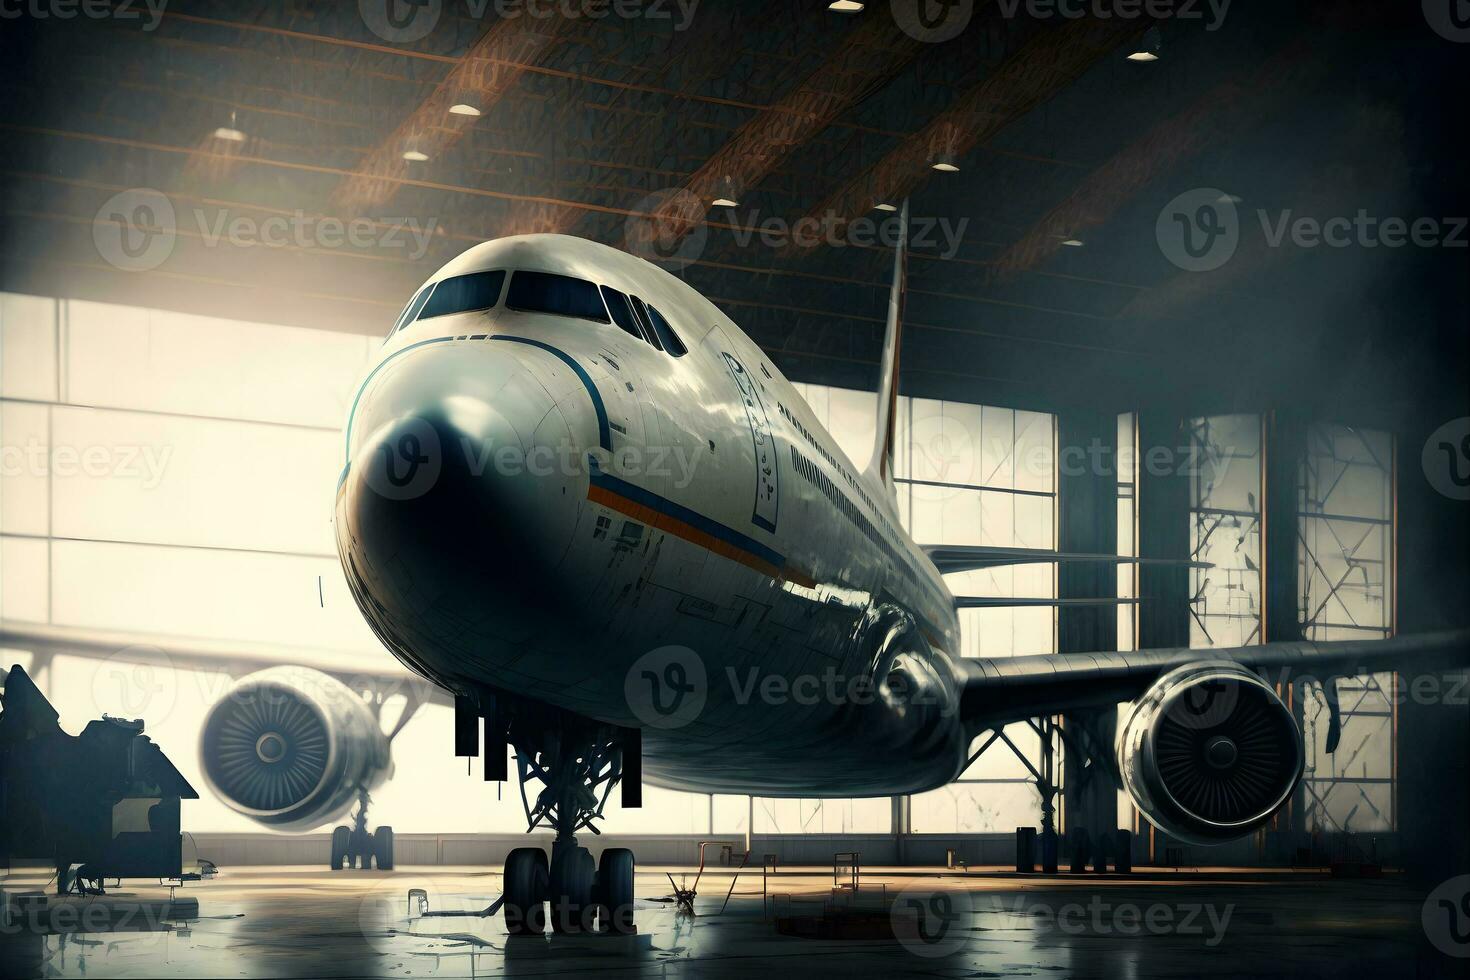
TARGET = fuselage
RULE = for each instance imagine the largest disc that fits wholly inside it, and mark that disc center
(548, 505)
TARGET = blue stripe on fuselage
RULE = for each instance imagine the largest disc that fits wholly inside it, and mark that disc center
(679, 512)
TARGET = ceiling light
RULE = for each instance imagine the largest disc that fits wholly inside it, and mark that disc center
(885, 207)
(1148, 46)
(415, 156)
(726, 193)
(227, 133)
(945, 167)
(464, 109)
(845, 6)
(1073, 242)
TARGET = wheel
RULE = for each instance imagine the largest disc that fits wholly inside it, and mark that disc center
(615, 891)
(341, 837)
(383, 848)
(572, 878)
(525, 890)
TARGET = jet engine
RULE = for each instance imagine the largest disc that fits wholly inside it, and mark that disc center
(1209, 752)
(292, 747)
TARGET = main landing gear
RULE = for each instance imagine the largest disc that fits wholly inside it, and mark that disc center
(356, 848)
(577, 762)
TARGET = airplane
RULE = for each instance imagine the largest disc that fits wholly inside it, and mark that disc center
(576, 496)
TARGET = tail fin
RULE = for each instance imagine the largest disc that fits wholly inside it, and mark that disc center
(880, 465)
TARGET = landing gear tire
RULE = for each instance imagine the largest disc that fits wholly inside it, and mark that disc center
(615, 892)
(383, 848)
(526, 879)
(341, 840)
(573, 875)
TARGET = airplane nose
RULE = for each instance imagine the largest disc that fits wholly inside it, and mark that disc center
(459, 500)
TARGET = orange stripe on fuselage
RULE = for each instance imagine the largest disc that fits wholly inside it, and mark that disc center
(672, 525)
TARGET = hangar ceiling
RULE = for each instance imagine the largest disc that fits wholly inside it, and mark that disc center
(248, 110)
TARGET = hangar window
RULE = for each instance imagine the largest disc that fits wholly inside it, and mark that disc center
(460, 294)
(412, 309)
(622, 312)
(666, 335)
(547, 292)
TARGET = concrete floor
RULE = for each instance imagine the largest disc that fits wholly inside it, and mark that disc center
(300, 922)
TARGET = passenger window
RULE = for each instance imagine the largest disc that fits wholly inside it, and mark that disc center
(622, 313)
(546, 292)
(412, 309)
(642, 312)
(459, 294)
(666, 335)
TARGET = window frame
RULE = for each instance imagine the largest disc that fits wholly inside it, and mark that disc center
(637, 332)
(683, 347)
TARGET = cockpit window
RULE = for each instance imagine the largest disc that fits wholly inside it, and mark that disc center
(412, 309)
(458, 294)
(666, 335)
(641, 311)
(622, 313)
(546, 292)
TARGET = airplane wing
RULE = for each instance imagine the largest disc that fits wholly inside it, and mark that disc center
(966, 558)
(998, 690)
(236, 658)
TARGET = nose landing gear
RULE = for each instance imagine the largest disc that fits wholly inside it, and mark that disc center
(578, 765)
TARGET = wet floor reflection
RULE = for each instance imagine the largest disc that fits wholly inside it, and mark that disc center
(309, 923)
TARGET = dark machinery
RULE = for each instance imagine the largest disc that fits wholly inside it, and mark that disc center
(102, 804)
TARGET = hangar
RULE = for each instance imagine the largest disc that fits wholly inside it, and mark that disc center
(1145, 324)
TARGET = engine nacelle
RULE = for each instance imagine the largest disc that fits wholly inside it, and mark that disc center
(290, 747)
(1210, 752)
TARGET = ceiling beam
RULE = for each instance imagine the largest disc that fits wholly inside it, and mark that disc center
(1223, 111)
(870, 56)
(1040, 68)
(481, 78)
